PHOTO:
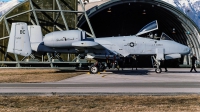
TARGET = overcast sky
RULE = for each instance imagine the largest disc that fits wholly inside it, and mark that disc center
(9, 0)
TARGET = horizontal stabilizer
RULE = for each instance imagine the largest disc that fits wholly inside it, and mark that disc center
(19, 41)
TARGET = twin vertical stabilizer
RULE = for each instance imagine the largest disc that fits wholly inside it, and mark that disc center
(19, 41)
(35, 34)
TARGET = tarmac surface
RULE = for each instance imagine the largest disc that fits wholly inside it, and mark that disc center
(141, 81)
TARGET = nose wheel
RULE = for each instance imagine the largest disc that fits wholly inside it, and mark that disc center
(157, 64)
(158, 70)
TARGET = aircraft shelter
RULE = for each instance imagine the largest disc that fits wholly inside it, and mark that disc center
(108, 18)
(127, 17)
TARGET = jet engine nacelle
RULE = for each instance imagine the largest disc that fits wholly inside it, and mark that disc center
(63, 38)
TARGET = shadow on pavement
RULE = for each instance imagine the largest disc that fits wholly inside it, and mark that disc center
(130, 72)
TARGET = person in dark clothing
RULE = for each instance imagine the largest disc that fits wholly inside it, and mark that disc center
(194, 58)
(163, 64)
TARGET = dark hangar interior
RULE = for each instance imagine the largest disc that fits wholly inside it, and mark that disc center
(127, 17)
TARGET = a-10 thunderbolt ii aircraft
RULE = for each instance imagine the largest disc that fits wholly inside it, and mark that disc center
(25, 39)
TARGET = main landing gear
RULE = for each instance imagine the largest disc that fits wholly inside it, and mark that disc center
(94, 69)
(97, 67)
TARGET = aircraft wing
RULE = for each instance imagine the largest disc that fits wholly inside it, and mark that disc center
(101, 44)
(113, 47)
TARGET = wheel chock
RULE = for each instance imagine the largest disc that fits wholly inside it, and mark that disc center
(98, 73)
(88, 73)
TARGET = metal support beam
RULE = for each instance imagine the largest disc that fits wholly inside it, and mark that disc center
(41, 10)
(62, 14)
(34, 13)
(7, 27)
(85, 32)
(18, 14)
(49, 58)
(4, 38)
(86, 16)
(54, 7)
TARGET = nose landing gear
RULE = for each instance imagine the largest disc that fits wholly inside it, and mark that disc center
(157, 64)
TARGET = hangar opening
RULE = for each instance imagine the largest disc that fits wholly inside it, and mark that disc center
(113, 18)
(127, 17)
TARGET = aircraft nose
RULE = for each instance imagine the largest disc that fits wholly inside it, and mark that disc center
(186, 50)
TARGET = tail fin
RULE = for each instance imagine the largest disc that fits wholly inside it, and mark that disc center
(36, 37)
(19, 41)
(35, 34)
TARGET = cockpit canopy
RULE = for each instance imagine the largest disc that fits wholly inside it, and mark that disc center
(148, 28)
(151, 27)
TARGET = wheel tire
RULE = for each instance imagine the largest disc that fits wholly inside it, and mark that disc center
(158, 70)
(94, 69)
